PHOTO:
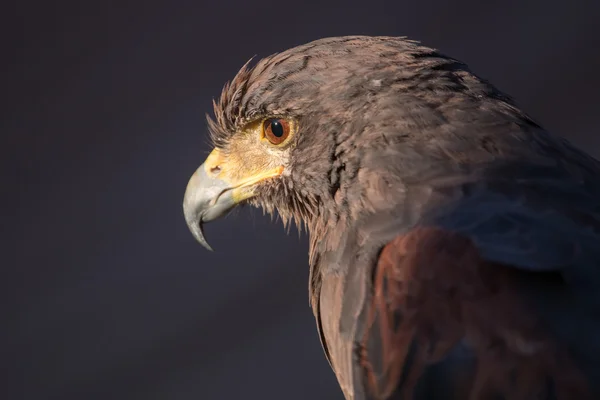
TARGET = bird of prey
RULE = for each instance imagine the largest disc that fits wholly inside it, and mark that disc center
(454, 242)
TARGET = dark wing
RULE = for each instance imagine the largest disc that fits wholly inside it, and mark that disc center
(495, 296)
(444, 323)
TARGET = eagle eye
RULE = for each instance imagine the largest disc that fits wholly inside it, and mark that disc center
(276, 130)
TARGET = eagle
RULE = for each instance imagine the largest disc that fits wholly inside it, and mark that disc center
(454, 247)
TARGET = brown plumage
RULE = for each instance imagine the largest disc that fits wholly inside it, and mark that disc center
(454, 243)
(433, 291)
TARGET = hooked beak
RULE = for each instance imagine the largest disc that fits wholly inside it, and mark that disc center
(215, 188)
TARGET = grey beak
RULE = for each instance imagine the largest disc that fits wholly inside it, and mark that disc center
(206, 198)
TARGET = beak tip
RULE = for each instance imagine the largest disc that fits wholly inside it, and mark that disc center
(199, 235)
(207, 246)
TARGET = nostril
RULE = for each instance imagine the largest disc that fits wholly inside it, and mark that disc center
(215, 170)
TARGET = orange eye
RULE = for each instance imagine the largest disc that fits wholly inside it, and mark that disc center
(276, 130)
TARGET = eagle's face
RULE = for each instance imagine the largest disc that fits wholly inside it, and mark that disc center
(277, 133)
(254, 164)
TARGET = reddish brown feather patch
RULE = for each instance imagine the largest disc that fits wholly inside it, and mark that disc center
(443, 292)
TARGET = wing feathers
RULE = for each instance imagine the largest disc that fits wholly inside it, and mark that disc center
(432, 293)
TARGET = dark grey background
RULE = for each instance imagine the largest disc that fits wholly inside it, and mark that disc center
(105, 295)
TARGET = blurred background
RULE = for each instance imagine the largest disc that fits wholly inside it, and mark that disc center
(104, 293)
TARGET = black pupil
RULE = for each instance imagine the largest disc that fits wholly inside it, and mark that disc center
(277, 128)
